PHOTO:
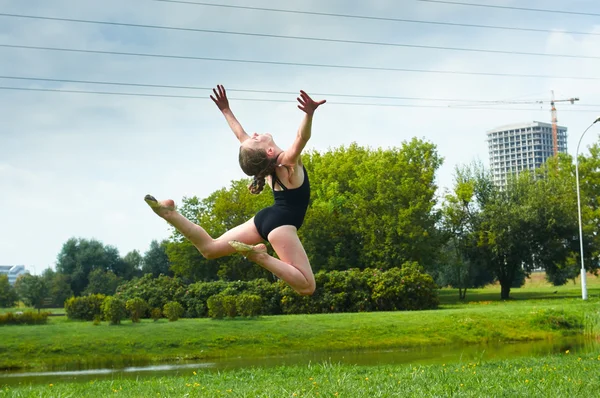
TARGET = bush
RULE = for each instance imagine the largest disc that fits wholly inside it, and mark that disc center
(215, 306)
(26, 318)
(229, 306)
(156, 314)
(248, 305)
(173, 311)
(136, 308)
(114, 310)
(155, 291)
(406, 288)
(196, 296)
(270, 294)
(84, 308)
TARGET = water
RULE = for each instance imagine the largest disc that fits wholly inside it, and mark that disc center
(414, 356)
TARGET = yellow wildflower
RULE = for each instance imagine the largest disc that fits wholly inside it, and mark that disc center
(194, 372)
(566, 352)
(51, 385)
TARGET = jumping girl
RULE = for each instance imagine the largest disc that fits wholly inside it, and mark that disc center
(278, 224)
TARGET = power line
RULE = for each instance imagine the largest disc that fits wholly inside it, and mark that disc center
(266, 100)
(283, 63)
(374, 18)
(319, 39)
(228, 89)
(462, 102)
(589, 14)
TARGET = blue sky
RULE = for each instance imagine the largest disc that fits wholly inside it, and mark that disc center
(75, 165)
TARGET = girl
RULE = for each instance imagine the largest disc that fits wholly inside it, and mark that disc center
(278, 224)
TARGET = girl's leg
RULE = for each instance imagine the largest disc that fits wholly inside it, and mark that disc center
(293, 265)
(210, 248)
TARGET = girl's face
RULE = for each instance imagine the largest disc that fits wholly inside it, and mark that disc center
(260, 141)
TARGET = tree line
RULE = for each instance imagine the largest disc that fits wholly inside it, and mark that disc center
(377, 208)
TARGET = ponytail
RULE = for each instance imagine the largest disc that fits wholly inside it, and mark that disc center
(257, 185)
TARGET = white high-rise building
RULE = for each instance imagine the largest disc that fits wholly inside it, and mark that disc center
(517, 147)
(13, 272)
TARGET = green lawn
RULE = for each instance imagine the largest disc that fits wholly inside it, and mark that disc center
(535, 312)
(563, 375)
(62, 341)
(536, 288)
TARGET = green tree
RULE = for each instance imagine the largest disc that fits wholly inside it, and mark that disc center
(133, 261)
(460, 265)
(589, 179)
(8, 296)
(156, 261)
(394, 204)
(102, 282)
(59, 287)
(79, 257)
(32, 289)
(528, 224)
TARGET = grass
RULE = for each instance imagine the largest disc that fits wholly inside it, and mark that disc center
(62, 342)
(535, 313)
(536, 288)
(563, 375)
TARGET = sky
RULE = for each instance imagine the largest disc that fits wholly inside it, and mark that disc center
(79, 165)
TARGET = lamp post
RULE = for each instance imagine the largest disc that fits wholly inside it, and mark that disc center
(584, 294)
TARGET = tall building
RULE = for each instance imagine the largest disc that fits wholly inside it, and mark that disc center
(517, 147)
(13, 272)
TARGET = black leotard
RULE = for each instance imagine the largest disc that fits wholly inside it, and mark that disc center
(289, 207)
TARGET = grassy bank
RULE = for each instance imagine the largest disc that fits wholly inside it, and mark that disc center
(562, 375)
(66, 342)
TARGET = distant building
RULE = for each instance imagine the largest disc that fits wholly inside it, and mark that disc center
(13, 272)
(517, 147)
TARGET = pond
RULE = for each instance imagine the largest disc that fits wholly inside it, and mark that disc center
(414, 356)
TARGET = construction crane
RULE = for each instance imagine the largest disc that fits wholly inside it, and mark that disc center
(552, 110)
(555, 120)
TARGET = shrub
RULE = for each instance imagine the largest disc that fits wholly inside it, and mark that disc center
(173, 311)
(25, 318)
(229, 305)
(215, 306)
(154, 291)
(85, 307)
(248, 305)
(406, 288)
(196, 296)
(114, 310)
(270, 294)
(137, 308)
(156, 314)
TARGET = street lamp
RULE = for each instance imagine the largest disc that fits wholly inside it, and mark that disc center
(584, 294)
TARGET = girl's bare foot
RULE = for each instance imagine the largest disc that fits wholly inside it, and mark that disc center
(246, 250)
(162, 208)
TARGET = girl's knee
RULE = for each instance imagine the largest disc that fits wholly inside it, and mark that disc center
(209, 252)
(307, 291)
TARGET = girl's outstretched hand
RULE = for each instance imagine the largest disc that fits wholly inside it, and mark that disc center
(307, 104)
(220, 98)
